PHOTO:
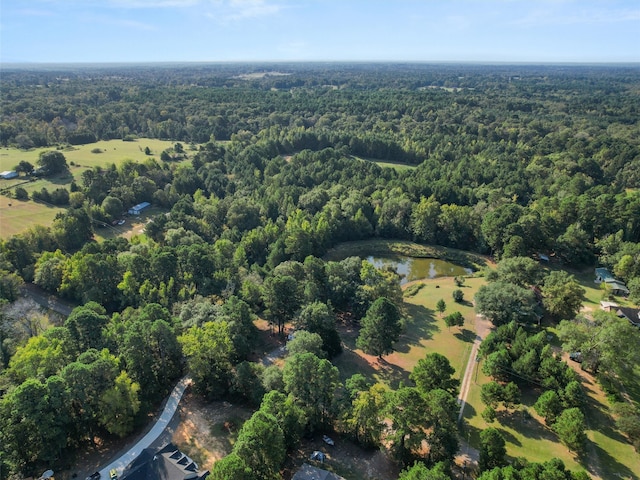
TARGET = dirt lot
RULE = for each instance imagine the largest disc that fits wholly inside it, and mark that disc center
(207, 432)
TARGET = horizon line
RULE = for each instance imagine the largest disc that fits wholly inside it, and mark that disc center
(380, 61)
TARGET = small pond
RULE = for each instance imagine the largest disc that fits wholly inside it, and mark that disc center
(416, 268)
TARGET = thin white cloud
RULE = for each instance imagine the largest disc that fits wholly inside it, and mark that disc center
(231, 11)
(155, 3)
(125, 3)
(133, 24)
(577, 16)
(252, 8)
(32, 12)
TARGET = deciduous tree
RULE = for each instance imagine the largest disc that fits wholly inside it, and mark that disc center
(208, 350)
(434, 371)
(503, 302)
(261, 446)
(52, 161)
(563, 295)
(119, 406)
(312, 382)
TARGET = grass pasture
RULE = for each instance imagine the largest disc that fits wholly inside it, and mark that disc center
(16, 215)
(424, 332)
(526, 435)
(22, 215)
(608, 454)
(399, 166)
(112, 151)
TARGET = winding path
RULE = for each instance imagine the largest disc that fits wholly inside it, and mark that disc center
(169, 410)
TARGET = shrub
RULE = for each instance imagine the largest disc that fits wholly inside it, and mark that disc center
(411, 290)
(458, 296)
(20, 194)
(489, 414)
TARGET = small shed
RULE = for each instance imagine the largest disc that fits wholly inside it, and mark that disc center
(136, 209)
(8, 174)
(608, 306)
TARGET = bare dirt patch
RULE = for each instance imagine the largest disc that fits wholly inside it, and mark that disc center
(345, 459)
(207, 431)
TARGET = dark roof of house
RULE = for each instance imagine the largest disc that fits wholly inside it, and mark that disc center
(167, 463)
(603, 273)
(308, 472)
(631, 314)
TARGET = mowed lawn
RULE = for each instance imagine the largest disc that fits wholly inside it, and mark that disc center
(16, 216)
(525, 433)
(399, 166)
(22, 215)
(527, 436)
(425, 332)
(112, 151)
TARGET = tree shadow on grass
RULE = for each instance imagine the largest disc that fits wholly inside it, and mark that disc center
(392, 374)
(509, 437)
(468, 432)
(60, 179)
(525, 424)
(610, 466)
(465, 335)
(420, 324)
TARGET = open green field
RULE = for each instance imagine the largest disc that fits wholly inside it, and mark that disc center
(22, 215)
(608, 453)
(424, 332)
(399, 166)
(16, 216)
(112, 151)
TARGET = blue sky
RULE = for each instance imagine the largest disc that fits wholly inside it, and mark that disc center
(319, 30)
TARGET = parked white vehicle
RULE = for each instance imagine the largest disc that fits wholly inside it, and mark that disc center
(328, 440)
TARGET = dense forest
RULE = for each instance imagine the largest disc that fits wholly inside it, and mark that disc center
(273, 165)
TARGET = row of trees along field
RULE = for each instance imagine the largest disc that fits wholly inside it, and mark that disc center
(509, 161)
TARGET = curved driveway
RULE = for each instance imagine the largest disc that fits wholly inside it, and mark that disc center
(169, 410)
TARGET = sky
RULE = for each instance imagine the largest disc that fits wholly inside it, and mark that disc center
(530, 31)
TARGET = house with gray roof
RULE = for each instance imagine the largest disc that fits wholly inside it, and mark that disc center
(166, 463)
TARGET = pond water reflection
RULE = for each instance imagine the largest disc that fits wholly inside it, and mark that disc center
(416, 268)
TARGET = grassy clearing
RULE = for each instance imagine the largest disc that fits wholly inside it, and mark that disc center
(608, 453)
(16, 215)
(399, 166)
(425, 332)
(112, 151)
(14, 220)
(526, 435)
